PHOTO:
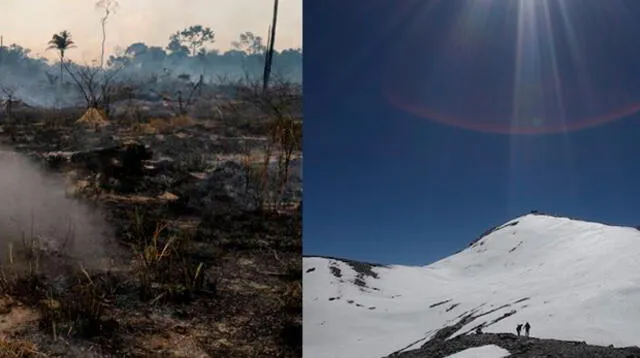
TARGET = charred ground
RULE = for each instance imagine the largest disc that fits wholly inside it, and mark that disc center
(206, 259)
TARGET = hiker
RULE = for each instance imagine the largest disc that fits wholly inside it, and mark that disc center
(479, 330)
(519, 329)
(527, 327)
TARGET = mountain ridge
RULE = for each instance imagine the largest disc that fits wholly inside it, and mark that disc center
(519, 347)
(541, 268)
(487, 232)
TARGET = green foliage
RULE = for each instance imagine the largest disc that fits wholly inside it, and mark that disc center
(61, 42)
(250, 43)
(194, 37)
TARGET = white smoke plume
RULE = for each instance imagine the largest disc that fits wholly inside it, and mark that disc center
(34, 207)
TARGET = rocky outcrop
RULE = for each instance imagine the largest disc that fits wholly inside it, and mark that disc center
(521, 347)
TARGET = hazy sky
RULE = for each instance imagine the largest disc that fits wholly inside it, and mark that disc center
(31, 23)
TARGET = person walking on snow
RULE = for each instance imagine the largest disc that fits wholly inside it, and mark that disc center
(527, 327)
(518, 329)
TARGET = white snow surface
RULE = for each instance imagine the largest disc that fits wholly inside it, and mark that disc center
(490, 351)
(570, 279)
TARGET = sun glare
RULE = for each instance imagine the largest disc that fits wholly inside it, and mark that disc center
(523, 66)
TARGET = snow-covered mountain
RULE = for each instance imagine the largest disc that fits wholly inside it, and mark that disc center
(572, 280)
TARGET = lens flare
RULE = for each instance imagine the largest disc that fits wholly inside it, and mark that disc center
(520, 66)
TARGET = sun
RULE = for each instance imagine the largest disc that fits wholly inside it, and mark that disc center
(495, 65)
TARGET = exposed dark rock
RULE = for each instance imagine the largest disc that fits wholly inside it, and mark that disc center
(362, 269)
(442, 345)
(335, 271)
(492, 230)
(439, 303)
(348, 261)
(521, 347)
(358, 281)
(452, 307)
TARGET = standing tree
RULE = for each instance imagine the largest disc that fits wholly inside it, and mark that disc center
(270, 46)
(61, 42)
(176, 49)
(194, 37)
(108, 6)
(250, 43)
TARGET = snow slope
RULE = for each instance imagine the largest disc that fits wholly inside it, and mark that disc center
(571, 280)
(490, 351)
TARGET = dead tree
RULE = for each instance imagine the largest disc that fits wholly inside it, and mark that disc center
(95, 89)
(270, 48)
(8, 106)
(281, 106)
(180, 100)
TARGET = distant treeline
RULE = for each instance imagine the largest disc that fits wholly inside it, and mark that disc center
(188, 53)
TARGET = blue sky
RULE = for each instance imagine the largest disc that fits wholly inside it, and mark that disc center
(428, 122)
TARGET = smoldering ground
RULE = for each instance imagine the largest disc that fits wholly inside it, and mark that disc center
(37, 214)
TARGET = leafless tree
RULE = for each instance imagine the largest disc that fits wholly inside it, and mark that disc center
(281, 108)
(8, 107)
(95, 89)
(270, 47)
(178, 102)
(108, 6)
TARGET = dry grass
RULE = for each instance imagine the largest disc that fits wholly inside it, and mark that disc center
(10, 348)
(168, 125)
(164, 272)
(180, 290)
(284, 139)
(162, 125)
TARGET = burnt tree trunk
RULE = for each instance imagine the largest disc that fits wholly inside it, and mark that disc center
(270, 46)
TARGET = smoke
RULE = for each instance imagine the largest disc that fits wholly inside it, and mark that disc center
(36, 83)
(34, 208)
(35, 90)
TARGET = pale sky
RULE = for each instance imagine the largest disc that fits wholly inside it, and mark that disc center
(31, 23)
